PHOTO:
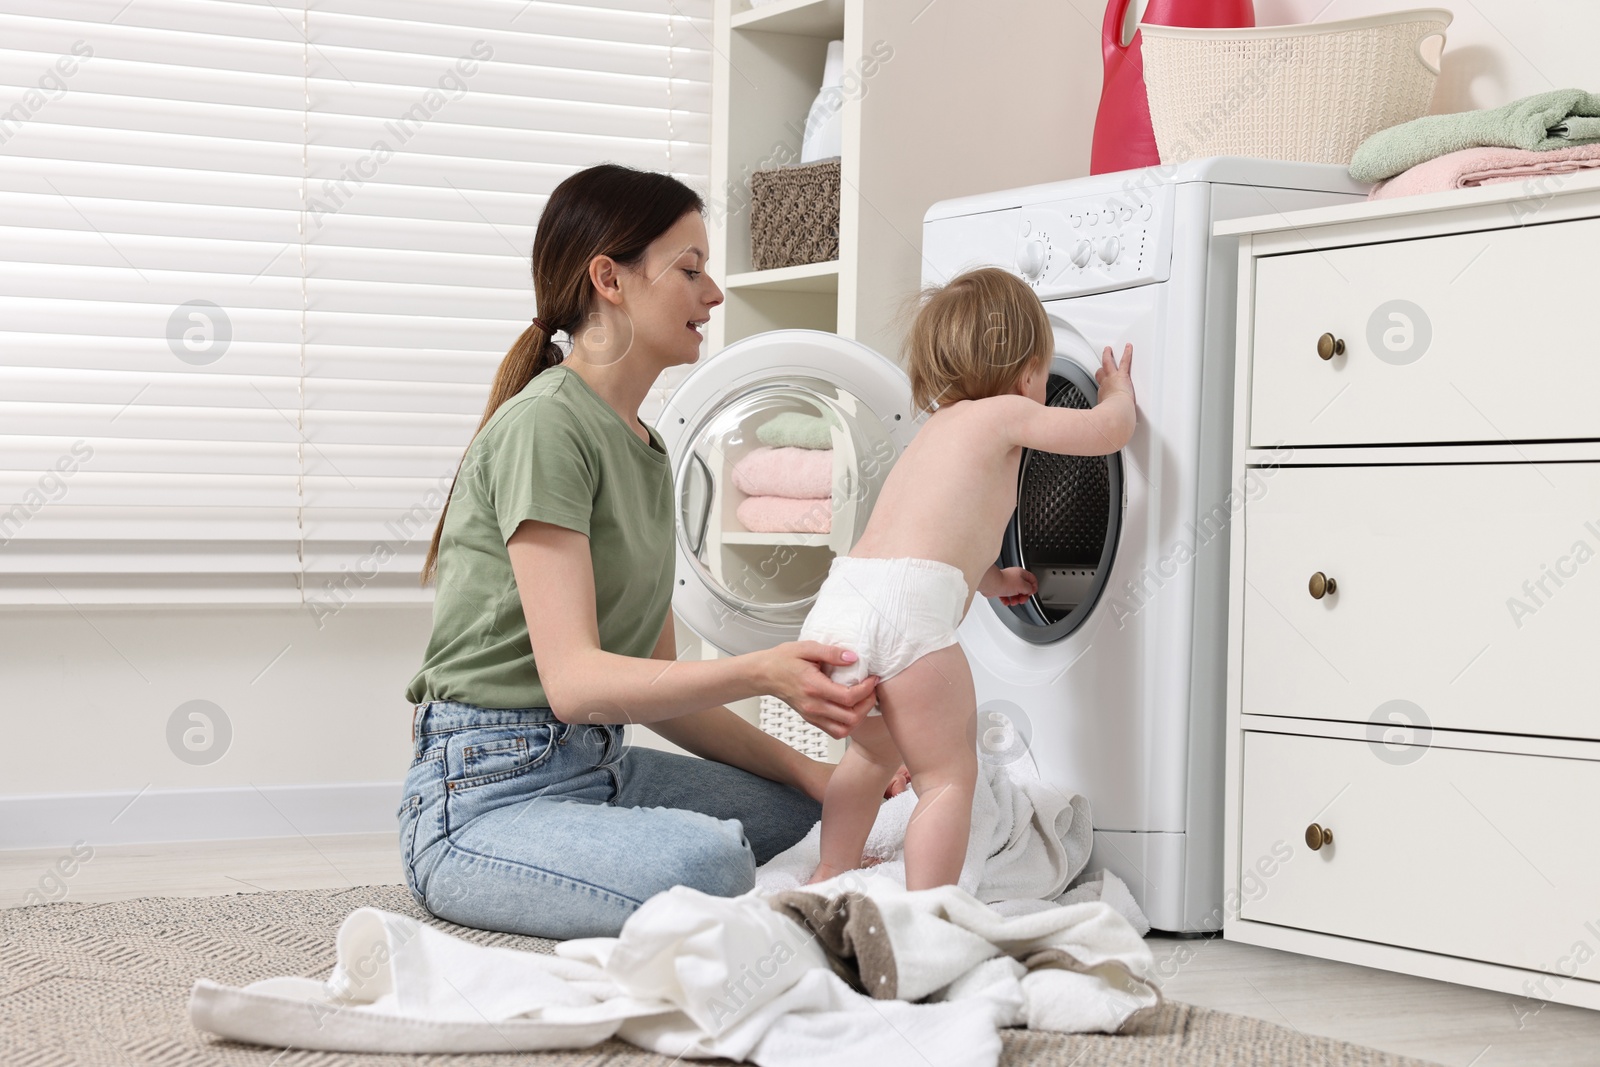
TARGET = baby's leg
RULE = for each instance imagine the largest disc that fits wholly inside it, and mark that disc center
(850, 804)
(931, 712)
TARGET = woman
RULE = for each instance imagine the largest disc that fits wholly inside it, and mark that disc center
(552, 625)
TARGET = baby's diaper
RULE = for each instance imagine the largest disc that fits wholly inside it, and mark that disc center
(889, 612)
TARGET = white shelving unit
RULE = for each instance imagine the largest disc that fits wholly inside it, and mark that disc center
(942, 98)
(735, 537)
(724, 529)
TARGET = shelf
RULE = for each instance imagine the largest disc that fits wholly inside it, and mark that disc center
(806, 278)
(807, 18)
(766, 72)
(794, 540)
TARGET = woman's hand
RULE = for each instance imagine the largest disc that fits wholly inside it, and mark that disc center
(793, 672)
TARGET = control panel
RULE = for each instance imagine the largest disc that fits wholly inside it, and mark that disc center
(1077, 247)
(1062, 248)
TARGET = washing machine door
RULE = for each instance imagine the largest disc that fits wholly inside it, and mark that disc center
(1069, 511)
(780, 444)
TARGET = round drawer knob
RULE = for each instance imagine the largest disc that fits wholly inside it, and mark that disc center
(1329, 346)
(1317, 836)
(1322, 585)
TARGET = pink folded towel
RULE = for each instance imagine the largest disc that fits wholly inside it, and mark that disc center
(781, 514)
(1485, 166)
(802, 473)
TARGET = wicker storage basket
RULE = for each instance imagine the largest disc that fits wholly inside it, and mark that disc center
(794, 214)
(784, 723)
(1310, 93)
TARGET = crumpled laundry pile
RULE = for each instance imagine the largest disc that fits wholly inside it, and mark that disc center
(879, 979)
(851, 971)
(1030, 841)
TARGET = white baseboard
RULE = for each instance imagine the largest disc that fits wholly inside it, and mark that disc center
(162, 815)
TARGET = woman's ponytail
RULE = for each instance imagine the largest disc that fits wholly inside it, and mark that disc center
(608, 210)
(533, 352)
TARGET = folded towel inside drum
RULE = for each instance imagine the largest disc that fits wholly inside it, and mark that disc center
(781, 514)
(800, 473)
(798, 429)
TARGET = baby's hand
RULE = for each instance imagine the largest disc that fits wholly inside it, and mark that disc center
(1113, 379)
(1016, 585)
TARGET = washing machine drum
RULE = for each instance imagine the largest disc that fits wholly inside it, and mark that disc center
(1066, 526)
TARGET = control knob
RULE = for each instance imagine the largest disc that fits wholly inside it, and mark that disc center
(1030, 260)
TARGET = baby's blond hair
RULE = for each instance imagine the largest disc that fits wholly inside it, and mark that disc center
(975, 336)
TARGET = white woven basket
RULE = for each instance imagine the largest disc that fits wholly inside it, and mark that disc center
(784, 723)
(1310, 93)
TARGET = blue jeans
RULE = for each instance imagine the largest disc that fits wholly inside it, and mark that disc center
(513, 820)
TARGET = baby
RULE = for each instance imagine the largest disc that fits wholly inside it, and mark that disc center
(979, 349)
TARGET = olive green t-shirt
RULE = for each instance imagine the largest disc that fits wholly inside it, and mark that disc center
(557, 453)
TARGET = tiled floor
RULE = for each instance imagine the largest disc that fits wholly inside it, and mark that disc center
(1448, 1024)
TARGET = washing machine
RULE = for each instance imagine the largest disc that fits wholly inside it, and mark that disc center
(1110, 680)
(745, 581)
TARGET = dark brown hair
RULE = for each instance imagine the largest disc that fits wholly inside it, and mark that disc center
(975, 336)
(608, 210)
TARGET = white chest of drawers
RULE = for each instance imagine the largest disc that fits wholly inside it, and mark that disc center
(1413, 749)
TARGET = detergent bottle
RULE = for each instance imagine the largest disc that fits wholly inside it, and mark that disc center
(1123, 137)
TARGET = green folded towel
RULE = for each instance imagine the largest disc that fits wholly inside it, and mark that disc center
(795, 429)
(1560, 118)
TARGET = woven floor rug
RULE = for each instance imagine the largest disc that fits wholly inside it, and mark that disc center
(106, 985)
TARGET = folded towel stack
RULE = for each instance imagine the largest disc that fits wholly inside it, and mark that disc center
(797, 429)
(780, 514)
(1551, 124)
(789, 482)
(1486, 166)
(797, 473)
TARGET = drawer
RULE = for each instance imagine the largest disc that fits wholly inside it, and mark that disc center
(1469, 337)
(1470, 592)
(1472, 854)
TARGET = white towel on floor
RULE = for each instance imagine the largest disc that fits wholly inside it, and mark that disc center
(701, 976)
(1104, 886)
(1029, 840)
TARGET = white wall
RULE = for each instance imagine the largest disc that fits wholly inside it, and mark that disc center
(91, 695)
(310, 702)
(1497, 51)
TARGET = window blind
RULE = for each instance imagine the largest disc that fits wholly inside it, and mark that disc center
(260, 261)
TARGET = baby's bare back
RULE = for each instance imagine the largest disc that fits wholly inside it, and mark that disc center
(949, 495)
